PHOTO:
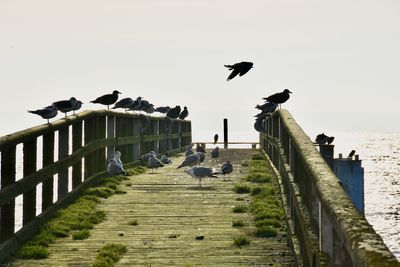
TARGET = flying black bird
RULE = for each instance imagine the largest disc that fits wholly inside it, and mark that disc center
(174, 112)
(67, 105)
(215, 138)
(107, 99)
(351, 154)
(46, 113)
(184, 113)
(279, 98)
(239, 68)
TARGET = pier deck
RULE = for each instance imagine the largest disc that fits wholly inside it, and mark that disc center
(171, 211)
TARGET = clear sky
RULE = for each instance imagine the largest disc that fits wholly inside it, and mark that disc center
(341, 59)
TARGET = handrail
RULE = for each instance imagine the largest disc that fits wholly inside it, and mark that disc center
(95, 134)
(337, 228)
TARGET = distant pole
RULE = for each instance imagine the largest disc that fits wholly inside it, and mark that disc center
(225, 133)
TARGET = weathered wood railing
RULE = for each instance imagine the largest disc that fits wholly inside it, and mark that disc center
(329, 228)
(95, 134)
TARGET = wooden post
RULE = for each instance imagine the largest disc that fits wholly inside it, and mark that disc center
(156, 128)
(130, 131)
(63, 146)
(89, 137)
(29, 198)
(101, 153)
(136, 132)
(225, 133)
(7, 212)
(48, 158)
(180, 135)
(76, 144)
(110, 135)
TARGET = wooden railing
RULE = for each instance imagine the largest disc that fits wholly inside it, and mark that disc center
(95, 134)
(329, 229)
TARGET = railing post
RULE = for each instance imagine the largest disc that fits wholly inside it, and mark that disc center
(63, 146)
(76, 144)
(101, 153)
(180, 135)
(225, 133)
(7, 216)
(156, 133)
(110, 134)
(136, 132)
(89, 137)
(130, 131)
(29, 198)
(48, 158)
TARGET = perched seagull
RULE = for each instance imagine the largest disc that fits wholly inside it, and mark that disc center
(184, 113)
(163, 110)
(268, 107)
(200, 148)
(239, 68)
(190, 160)
(351, 154)
(48, 112)
(189, 151)
(215, 138)
(165, 160)
(107, 99)
(136, 104)
(202, 156)
(279, 98)
(66, 105)
(115, 166)
(202, 172)
(146, 106)
(226, 168)
(258, 126)
(76, 104)
(154, 163)
(147, 155)
(323, 138)
(124, 103)
(215, 153)
(174, 112)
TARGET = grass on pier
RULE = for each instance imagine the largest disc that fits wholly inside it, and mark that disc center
(109, 255)
(77, 219)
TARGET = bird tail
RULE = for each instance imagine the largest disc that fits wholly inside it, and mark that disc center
(32, 111)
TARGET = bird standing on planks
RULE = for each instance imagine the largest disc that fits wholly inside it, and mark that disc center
(107, 99)
(46, 113)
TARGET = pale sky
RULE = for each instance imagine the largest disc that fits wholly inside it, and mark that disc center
(341, 59)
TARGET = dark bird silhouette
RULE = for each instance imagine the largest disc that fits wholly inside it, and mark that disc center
(124, 103)
(259, 127)
(215, 153)
(163, 110)
(46, 113)
(174, 112)
(146, 106)
(279, 98)
(76, 105)
(239, 68)
(215, 138)
(136, 104)
(351, 154)
(66, 106)
(323, 138)
(268, 107)
(107, 99)
(200, 148)
(184, 113)
(226, 168)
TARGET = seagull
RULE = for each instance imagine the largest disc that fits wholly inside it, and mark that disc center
(115, 166)
(268, 107)
(107, 99)
(215, 153)
(48, 112)
(215, 138)
(202, 156)
(154, 163)
(351, 154)
(202, 172)
(165, 160)
(174, 112)
(190, 160)
(163, 110)
(226, 168)
(189, 151)
(147, 155)
(67, 105)
(239, 68)
(136, 104)
(200, 148)
(322, 139)
(76, 104)
(258, 126)
(124, 103)
(279, 98)
(184, 113)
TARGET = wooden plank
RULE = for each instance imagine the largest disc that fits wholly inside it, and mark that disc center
(7, 210)
(89, 136)
(29, 197)
(110, 134)
(76, 145)
(48, 159)
(63, 147)
(101, 153)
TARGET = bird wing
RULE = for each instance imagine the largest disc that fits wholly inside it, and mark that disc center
(233, 74)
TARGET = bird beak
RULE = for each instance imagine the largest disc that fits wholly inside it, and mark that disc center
(290, 92)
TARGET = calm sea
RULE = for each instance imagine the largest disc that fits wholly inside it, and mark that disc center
(380, 153)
